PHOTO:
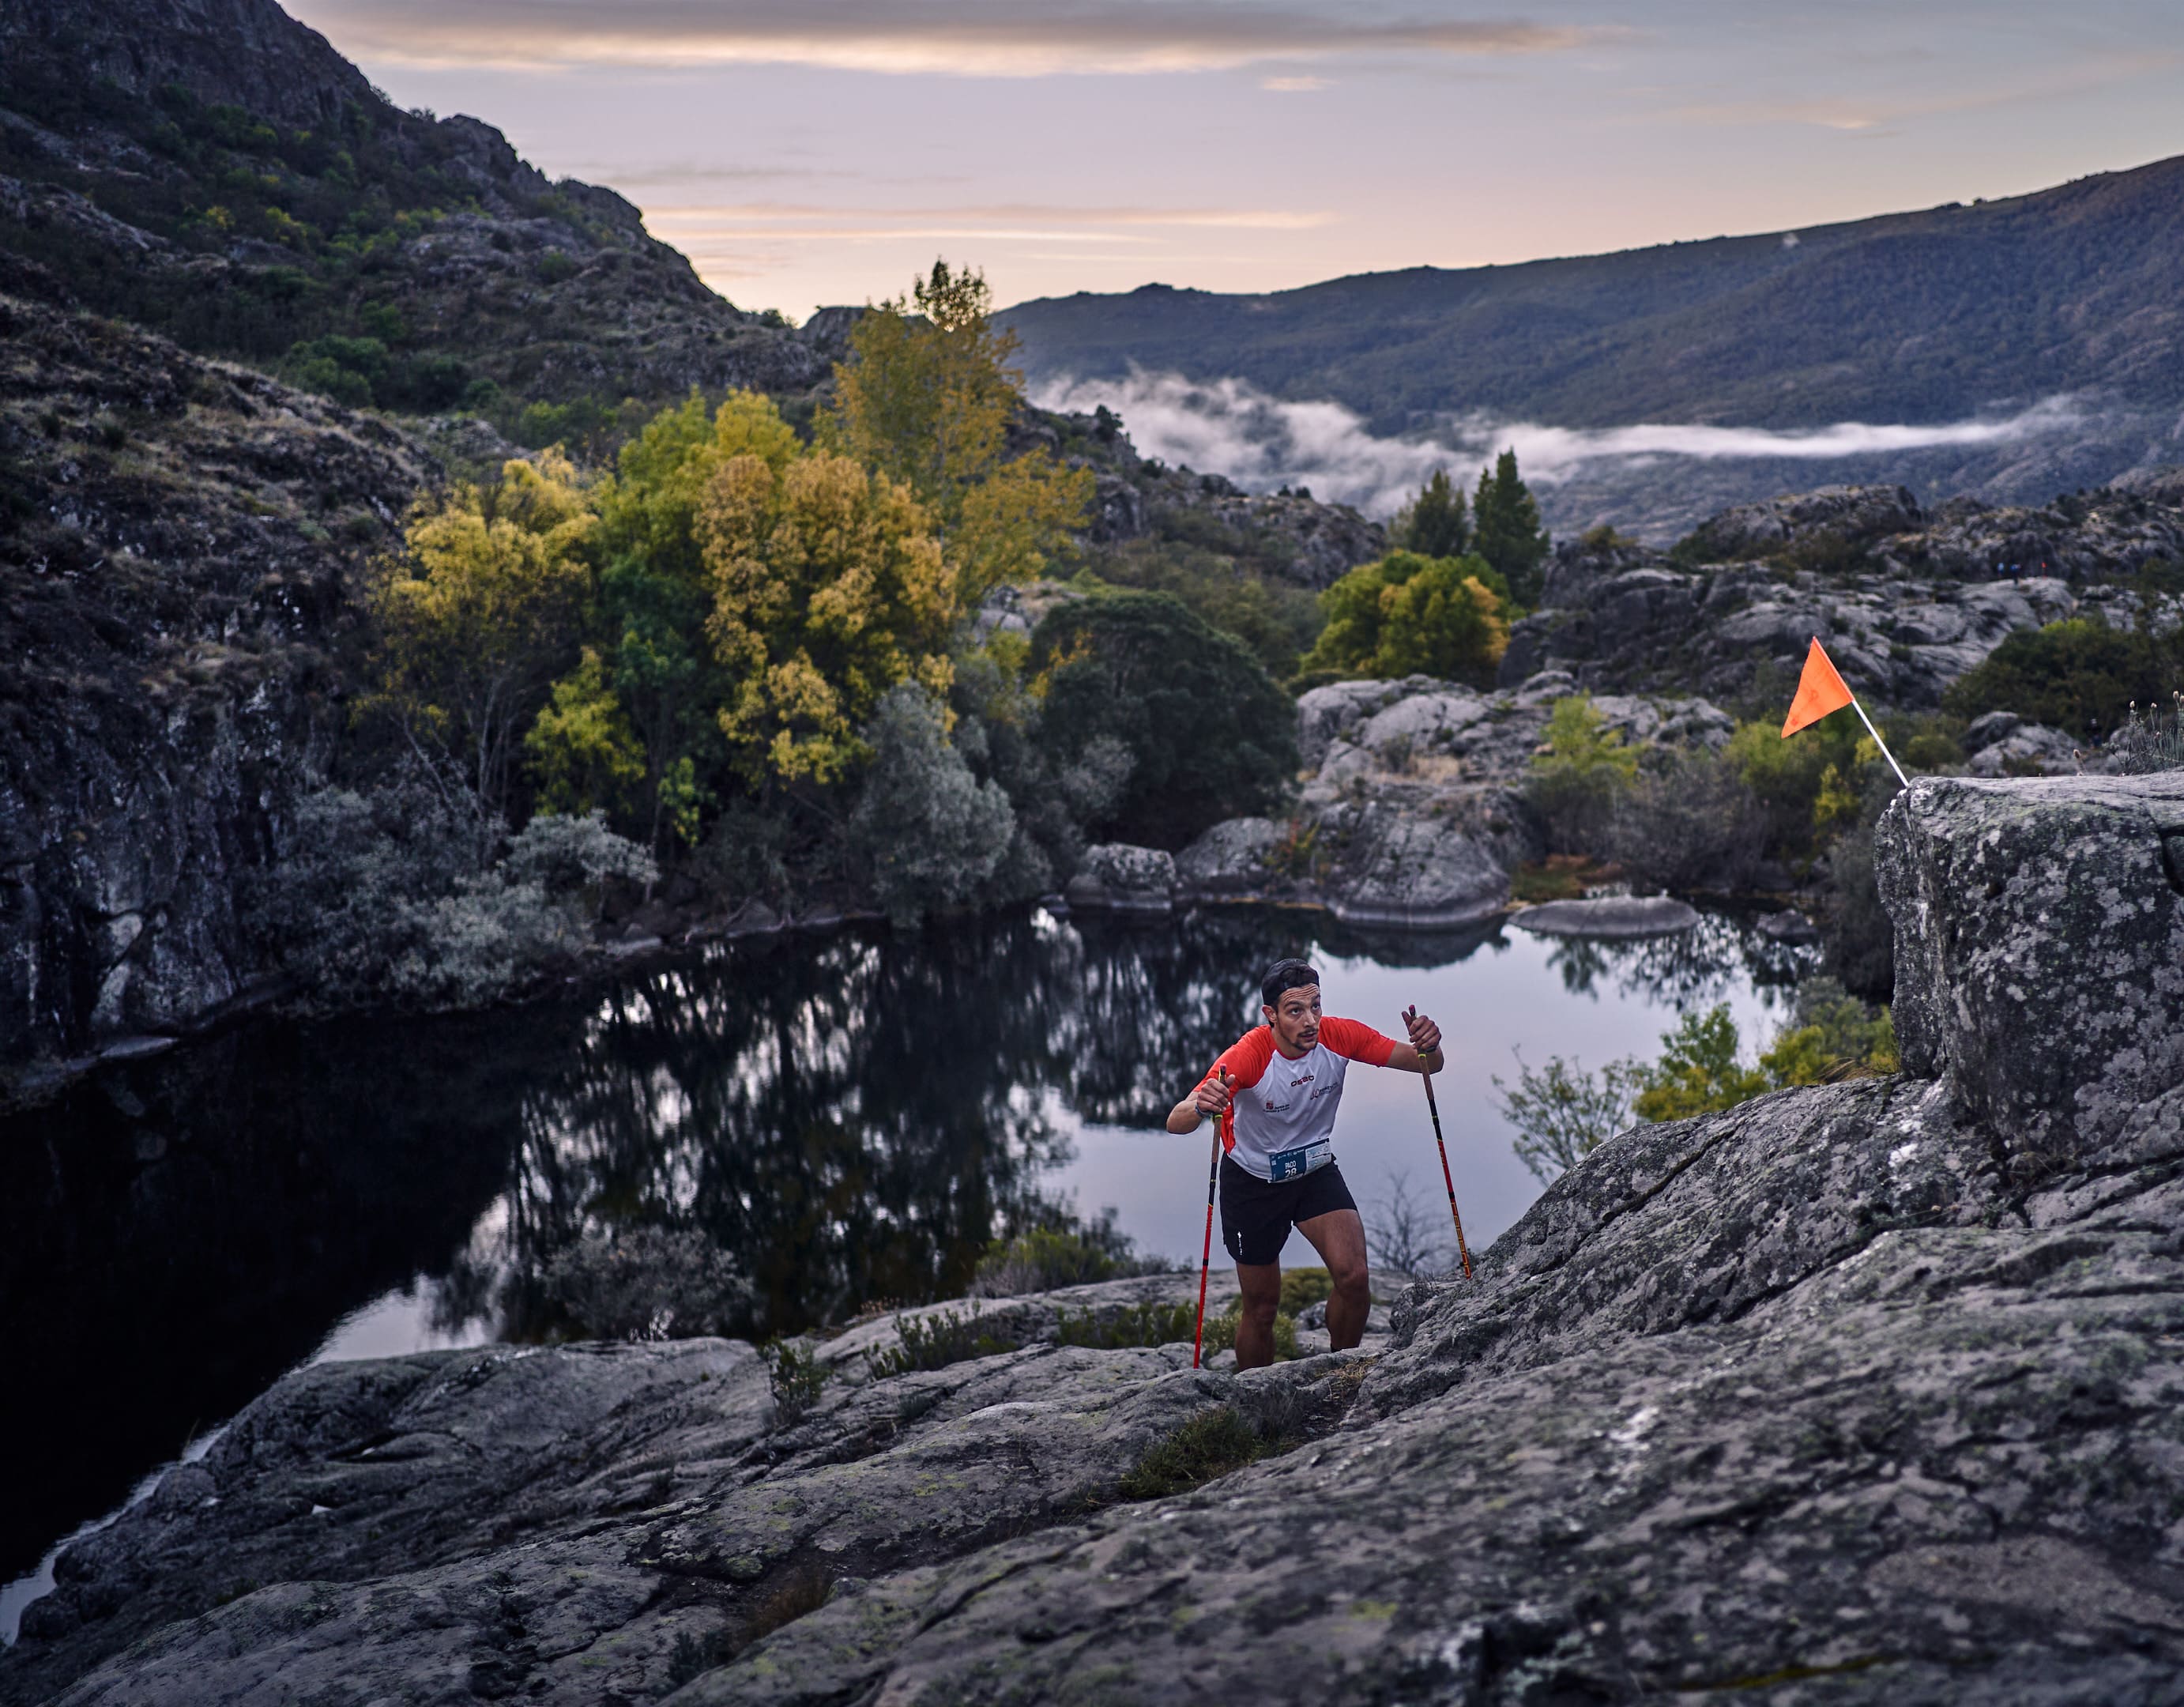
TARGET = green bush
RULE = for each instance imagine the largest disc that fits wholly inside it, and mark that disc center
(1209, 734)
(648, 1283)
(935, 1341)
(1698, 1072)
(1407, 615)
(1210, 1444)
(795, 1377)
(1575, 784)
(1302, 1288)
(1138, 1325)
(2079, 676)
(929, 834)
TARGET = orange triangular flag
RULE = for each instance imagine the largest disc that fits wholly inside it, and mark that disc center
(1820, 690)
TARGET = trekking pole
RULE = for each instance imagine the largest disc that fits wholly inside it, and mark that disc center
(1205, 1262)
(1447, 1178)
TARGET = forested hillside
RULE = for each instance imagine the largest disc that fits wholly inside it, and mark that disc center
(218, 173)
(1913, 317)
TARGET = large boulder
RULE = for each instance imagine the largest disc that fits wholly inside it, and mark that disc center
(1116, 877)
(2040, 958)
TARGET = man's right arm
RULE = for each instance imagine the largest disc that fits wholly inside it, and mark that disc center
(1210, 1096)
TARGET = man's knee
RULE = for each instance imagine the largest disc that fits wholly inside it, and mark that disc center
(1350, 1278)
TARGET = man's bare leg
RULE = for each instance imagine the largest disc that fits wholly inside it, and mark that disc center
(1263, 1296)
(1339, 1236)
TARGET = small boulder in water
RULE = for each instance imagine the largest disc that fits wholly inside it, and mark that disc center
(1619, 915)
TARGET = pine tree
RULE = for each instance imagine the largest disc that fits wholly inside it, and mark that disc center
(1434, 523)
(1507, 531)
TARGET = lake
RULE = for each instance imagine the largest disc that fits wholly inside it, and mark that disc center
(851, 1115)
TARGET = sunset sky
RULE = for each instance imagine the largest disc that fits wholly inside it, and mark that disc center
(804, 152)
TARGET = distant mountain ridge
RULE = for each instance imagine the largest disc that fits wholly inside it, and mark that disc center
(1918, 317)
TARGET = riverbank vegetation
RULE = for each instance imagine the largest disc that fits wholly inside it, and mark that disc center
(1563, 1111)
(745, 659)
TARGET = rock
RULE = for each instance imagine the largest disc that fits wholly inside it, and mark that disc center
(1402, 868)
(1837, 513)
(1230, 861)
(1789, 926)
(2040, 958)
(2003, 744)
(1121, 878)
(1609, 916)
(1831, 1396)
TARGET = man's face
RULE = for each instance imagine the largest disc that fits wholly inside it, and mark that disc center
(1296, 1018)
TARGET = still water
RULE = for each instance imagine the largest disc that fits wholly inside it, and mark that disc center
(852, 1116)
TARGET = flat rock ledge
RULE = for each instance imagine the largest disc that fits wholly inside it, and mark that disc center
(1610, 916)
(1870, 1393)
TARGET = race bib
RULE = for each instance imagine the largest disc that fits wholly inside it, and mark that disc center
(1291, 1164)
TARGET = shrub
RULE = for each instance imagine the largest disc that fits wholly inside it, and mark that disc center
(1209, 734)
(1302, 1288)
(1575, 784)
(375, 897)
(1138, 1324)
(930, 835)
(2152, 739)
(1061, 1251)
(935, 1341)
(648, 1283)
(1561, 1111)
(1408, 1233)
(1210, 1444)
(2079, 675)
(1688, 822)
(795, 1377)
(1831, 1035)
(1405, 614)
(1698, 1072)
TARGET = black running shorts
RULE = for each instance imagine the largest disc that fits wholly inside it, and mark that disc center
(1255, 1217)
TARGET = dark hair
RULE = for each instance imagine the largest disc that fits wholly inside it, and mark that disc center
(1286, 975)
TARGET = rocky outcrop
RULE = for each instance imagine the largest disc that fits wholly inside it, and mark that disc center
(1412, 811)
(1116, 877)
(1906, 601)
(2070, 1058)
(181, 581)
(1864, 1392)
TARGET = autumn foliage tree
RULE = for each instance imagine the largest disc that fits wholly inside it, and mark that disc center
(1408, 615)
(828, 587)
(475, 618)
(925, 400)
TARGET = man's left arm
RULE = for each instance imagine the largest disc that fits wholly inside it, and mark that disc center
(1360, 1042)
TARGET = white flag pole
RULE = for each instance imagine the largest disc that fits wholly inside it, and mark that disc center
(1877, 742)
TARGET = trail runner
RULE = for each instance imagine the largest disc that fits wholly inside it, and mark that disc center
(1275, 1092)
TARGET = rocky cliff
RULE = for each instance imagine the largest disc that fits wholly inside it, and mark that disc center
(177, 581)
(1867, 1392)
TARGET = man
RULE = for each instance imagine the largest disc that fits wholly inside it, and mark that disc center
(1275, 1092)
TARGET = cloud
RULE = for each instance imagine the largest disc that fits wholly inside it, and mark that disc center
(974, 38)
(1293, 85)
(1227, 426)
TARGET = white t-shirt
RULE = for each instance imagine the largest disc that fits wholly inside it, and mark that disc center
(1280, 1124)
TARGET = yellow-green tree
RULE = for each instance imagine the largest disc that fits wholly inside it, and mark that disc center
(828, 587)
(926, 399)
(1407, 614)
(476, 617)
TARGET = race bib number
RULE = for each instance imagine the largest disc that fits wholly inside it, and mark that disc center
(1292, 1164)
